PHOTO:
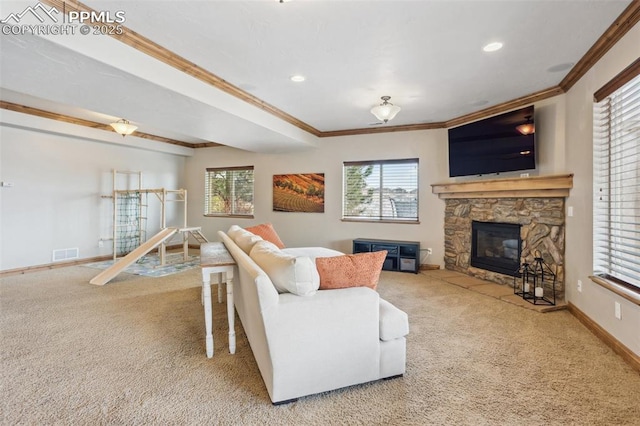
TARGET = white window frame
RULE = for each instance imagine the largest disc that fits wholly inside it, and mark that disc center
(237, 204)
(389, 209)
(616, 183)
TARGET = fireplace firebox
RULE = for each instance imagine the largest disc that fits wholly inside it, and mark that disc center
(496, 247)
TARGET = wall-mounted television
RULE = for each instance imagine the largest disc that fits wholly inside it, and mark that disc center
(502, 143)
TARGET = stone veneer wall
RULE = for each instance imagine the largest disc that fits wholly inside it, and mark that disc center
(543, 229)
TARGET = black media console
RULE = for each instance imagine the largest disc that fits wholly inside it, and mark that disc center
(402, 256)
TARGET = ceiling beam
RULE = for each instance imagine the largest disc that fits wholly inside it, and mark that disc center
(94, 125)
(144, 45)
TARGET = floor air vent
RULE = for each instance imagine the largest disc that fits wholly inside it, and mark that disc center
(65, 254)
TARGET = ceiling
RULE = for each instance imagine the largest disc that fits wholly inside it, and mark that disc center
(427, 55)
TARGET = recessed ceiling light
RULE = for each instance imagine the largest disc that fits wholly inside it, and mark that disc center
(298, 78)
(492, 47)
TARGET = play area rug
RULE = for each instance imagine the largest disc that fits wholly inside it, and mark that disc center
(149, 265)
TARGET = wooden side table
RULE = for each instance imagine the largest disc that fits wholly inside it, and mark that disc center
(215, 259)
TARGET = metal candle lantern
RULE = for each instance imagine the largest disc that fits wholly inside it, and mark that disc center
(535, 283)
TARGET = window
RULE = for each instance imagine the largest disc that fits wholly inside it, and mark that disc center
(381, 190)
(229, 192)
(616, 183)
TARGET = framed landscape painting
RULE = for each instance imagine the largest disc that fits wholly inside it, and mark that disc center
(302, 193)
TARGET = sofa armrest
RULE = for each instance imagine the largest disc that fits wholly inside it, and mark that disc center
(394, 323)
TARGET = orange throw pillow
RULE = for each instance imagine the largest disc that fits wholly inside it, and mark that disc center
(267, 233)
(350, 270)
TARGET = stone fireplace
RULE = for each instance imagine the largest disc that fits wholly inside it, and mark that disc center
(535, 206)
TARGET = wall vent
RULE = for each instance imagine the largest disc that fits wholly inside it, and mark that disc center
(66, 254)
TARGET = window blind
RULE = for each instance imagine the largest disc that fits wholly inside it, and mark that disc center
(616, 182)
(381, 190)
(229, 191)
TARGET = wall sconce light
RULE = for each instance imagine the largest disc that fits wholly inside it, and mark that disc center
(386, 110)
(123, 127)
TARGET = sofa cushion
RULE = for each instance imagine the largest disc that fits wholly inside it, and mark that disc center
(394, 323)
(267, 233)
(350, 270)
(312, 252)
(289, 274)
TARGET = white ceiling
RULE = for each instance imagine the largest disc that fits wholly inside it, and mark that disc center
(427, 55)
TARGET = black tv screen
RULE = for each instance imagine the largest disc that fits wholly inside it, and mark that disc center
(493, 145)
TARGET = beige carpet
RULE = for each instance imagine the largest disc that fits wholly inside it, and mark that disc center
(132, 352)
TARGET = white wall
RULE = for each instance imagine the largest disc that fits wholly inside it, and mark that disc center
(327, 229)
(55, 201)
(594, 300)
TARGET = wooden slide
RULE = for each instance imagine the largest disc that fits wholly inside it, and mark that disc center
(108, 274)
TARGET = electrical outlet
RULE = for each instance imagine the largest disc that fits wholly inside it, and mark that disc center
(429, 251)
(579, 286)
(617, 310)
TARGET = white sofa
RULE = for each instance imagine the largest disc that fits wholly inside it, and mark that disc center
(330, 339)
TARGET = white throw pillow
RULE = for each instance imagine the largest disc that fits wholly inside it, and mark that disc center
(246, 240)
(234, 231)
(243, 238)
(289, 274)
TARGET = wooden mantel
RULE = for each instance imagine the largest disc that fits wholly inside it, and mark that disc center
(521, 187)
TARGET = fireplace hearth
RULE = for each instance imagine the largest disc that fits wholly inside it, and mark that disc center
(496, 247)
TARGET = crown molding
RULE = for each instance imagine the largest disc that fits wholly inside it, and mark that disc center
(506, 106)
(627, 19)
(386, 129)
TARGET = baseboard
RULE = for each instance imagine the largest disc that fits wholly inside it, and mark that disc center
(48, 266)
(627, 354)
(428, 267)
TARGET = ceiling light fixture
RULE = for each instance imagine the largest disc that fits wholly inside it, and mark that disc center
(526, 128)
(123, 127)
(386, 110)
(298, 78)
(492, 47)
